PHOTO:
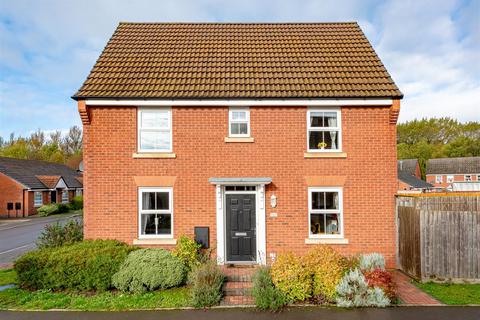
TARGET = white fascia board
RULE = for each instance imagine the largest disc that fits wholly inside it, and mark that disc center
(292, 102)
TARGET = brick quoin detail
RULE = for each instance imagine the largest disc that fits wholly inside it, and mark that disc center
(370, 168)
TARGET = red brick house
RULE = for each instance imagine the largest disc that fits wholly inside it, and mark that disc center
(444, 172)
(273, 136)
(26, 185)
(410, 177)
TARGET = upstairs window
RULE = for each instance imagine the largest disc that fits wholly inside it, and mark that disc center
(468, 178)
(154, 130)
(449, 179)
(324, 130)
(37, 199)
(156, 212)
(325, 212)
(239, 122)
(438, 179)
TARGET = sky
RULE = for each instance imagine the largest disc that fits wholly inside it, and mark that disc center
(47, 48)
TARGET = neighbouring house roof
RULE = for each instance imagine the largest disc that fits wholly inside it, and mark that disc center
(454, 165)
(238, 61)
(35, 174)
(407, 165)
(413, 181)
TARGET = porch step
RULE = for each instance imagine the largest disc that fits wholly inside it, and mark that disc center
(238, 286)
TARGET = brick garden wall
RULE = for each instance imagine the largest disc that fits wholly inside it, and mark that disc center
(368, 138)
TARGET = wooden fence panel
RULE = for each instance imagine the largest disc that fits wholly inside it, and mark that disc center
(439, 237)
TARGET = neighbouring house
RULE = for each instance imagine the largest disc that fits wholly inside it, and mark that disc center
(410, 177)
(26, 185)
(254, 138)
(456, 174)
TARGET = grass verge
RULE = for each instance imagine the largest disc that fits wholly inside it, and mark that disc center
(452, 294)
(19, 299)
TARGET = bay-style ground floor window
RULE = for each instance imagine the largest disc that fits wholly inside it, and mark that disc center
(155, 212)
(37, 199)
(325, 212)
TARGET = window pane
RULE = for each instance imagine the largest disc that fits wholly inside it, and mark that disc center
(318, 140)
(239, 128)
(148, 200)
(157, 119)
(332, 224)
(316, 119)
(331, 200)
(156, 224)
(330, 119)
(239, 115)
(162, 201)
(318, 200)
(157, 140)
(317, 223)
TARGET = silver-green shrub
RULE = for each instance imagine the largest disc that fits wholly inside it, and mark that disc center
(371, 261)
(353, 291)
(148, 270)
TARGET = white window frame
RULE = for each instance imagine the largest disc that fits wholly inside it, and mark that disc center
(64, 192)
(470, 179)
(140, 111)
(232, 121)
(169, 190)
(338, 211)
(36, 202)
(438, 179)
(338, 128)
(478, 177)
(450, 179)
(78, 192)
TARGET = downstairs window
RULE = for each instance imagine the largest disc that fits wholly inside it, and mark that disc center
(155, 213)
(325, 212)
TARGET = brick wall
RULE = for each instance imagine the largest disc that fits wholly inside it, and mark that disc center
(278, 152)
(10, 191)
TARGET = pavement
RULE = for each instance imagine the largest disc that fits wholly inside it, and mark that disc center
(395, 313)
(18, 236)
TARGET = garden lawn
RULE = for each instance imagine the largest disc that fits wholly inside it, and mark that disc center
(18, 299)
(7, 276)
(452, 293)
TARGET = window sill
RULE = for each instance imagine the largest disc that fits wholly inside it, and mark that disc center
(239, 139)
(155, 155)
(154, 241)
(325, 155)
(326, 241)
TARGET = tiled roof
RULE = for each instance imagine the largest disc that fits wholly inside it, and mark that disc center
(49, 181)
(238, 61)
(413, 181)
(454, 165)
(27, 172)
(407, 165)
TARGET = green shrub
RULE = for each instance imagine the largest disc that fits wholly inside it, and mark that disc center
(148, 270)
(77, 203)
(86, 265)
(371, 261)
(353, 291)
(56, 235)
(47, 210)
(63, 207)
(266, 296)
(325, 266)
(188, 251)
(207, 280)
(291, 277)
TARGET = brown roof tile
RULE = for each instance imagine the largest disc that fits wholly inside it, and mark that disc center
(238, 60)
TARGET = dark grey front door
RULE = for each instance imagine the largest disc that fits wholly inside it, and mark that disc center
(240, 229)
